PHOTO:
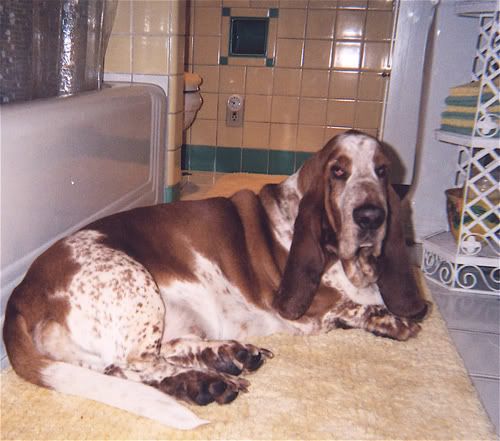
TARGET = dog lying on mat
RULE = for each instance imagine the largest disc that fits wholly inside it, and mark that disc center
(154, 305)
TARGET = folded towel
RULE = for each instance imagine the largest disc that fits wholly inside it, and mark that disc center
(467, 101)
(471, 109)
(469, 89)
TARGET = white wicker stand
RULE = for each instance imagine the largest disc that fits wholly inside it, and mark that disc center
(473, 262)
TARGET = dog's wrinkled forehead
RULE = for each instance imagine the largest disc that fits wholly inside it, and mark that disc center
(359, 153)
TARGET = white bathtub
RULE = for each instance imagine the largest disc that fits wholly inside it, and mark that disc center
(68, 161)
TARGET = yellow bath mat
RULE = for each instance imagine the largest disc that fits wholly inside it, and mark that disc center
(347, 384)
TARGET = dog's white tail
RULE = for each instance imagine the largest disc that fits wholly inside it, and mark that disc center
(128, 395)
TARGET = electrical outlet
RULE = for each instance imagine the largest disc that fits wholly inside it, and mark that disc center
(234, 111)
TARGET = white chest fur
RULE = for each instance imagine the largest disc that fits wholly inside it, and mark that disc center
(336, 278)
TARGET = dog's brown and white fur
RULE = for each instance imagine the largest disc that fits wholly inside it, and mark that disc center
(149, 306)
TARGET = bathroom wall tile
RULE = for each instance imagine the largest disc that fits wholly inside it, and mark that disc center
(313, 112)
(173, 172)
(248, 12)
(368, 114)
(258, 108)
(122, 18)
(347, 55)
(281, 162)
(175, 95)
(232, 79)
(111, 77)
(272, 38)
(371, 86)
(298, 4)
(376, 56)
(202, 158)
(340, 113)
(331, 132)
(322, 4)
(310, 138)
(381, 4)
(259, 80)
(320, 23)
(150, 55)
(177, 17)
(353, 4)
(256, 134)
(204, 132)
(289, 52)
(229, 136)
(189, 52)
(206, 50)
(350, 24)
(150, 17)
(285, 109)
(176, 47)
(207, 21)
(291, 23)
(379, 25)
(314, 83)
(208, 109)
(210, 77)
(283, 136)
(317, 54)
(254, 161)
(264, 3)
(343, 85)
(159, 80)
(175, 123)
(227, 159)
(118, 57)
(236, 3)
(287, 81)
(208, 3)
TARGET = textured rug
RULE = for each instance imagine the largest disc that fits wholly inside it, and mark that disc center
(344, 385)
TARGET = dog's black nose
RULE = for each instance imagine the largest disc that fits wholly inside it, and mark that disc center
(368, 216)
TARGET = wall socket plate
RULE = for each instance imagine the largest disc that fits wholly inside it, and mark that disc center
(234, 111)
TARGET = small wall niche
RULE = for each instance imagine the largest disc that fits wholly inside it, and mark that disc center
(248, 37)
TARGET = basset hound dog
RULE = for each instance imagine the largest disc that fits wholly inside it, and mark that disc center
(147, 307)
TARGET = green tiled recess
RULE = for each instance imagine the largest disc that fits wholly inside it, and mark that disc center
(281, 162)
(227, 159)
(300, 158)
(254, 161)
(172, 193)
(273, 13)
(202, 157)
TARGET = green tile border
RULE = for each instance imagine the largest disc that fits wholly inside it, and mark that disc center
(237, 159)
(255, 161)
(172, 193)
(227, 159)
(281, 162)
(202, 157)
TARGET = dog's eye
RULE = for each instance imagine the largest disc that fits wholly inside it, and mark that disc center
(338, 172)
(381, 171)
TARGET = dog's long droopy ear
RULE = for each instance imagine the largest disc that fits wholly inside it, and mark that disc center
(306, 260)
(396, 280)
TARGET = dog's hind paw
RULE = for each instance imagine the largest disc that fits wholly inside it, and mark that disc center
(202, 388)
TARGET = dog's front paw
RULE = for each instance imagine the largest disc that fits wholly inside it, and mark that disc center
(394, 327)
(235, 358)
(202, 388)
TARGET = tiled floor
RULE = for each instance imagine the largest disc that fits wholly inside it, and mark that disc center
(473, 320)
